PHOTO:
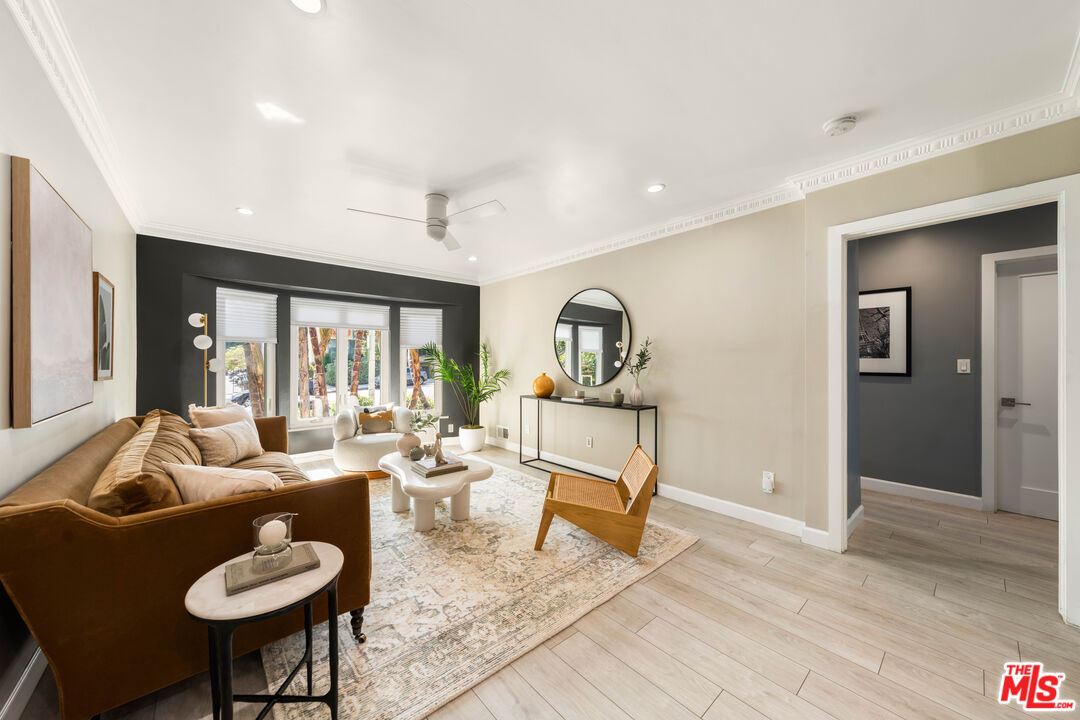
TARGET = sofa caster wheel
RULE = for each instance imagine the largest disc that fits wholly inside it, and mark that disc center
(357, 622)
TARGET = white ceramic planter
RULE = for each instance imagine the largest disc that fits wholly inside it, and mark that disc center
(472, 439)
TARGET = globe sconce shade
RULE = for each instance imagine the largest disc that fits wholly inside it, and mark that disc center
(216, 365)
(195, 319)
(203, 342)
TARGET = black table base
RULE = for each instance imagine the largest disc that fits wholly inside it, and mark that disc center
(221, 688)
(638, 409)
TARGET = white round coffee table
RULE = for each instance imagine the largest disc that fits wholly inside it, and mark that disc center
(406, 484)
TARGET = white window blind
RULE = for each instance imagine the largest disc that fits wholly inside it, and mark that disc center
(590, 338)
(564, 332)
(420, 326)
(245, 316)
(333, 313)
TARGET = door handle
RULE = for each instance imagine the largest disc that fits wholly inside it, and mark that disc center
(1011, 402)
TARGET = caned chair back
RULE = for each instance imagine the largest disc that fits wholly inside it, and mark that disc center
(639, 474)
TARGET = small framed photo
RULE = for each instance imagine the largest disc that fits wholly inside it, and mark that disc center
(104, 317)
(885, 332)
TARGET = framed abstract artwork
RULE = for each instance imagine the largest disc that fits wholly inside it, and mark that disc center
(885, 332)
(52, 324)
(104, 317)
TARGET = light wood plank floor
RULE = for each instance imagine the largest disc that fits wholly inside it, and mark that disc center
(915, 622)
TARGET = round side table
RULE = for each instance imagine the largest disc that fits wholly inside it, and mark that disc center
(207, 602)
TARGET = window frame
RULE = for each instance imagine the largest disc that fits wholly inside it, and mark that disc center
(341, 379)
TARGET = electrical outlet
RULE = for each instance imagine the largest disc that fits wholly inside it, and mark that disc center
(450, 427)
(768, 481)
(588, 441)
(963, 366)
(502, 431)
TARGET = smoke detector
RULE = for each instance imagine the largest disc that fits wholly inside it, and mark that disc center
(840, 125)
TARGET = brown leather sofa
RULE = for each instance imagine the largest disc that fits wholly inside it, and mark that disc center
(104, 596)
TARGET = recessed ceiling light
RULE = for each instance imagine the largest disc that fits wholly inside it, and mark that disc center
(473, 258)
(309, 6)
(245, 211)
(272, 112)
(656, 188)
(840, 125)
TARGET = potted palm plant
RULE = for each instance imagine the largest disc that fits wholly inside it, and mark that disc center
(471, 391)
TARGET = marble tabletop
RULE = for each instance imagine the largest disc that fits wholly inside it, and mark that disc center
(206, 599)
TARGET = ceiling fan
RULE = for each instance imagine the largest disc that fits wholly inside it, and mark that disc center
(437, 220)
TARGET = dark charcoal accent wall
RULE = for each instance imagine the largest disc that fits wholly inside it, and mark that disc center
(177, 278)
(924, 430)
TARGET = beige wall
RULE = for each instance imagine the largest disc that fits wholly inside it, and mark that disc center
(723, 305)
(737, 311)
(34, 125)
(1019, 160)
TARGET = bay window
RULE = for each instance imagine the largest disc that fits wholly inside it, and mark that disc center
(336, 359)
(419, 326)
(246, 341)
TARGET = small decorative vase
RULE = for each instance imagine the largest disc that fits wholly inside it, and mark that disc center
(417, 453)
(406, 443)
(617, 397)
(636, 396)
(543, 386)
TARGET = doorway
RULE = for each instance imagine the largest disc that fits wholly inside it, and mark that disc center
(1064, 191)
(1020, 403)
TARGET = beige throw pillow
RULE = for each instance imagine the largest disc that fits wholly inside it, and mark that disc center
(198, 483)
(209, 417)
(222, 446)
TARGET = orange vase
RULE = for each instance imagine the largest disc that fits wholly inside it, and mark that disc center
(543, 386)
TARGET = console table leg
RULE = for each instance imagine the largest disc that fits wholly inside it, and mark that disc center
(459, 504)
(357, 623)
(423, 514)
(399, 501)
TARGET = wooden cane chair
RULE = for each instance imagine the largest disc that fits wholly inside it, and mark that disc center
(615, 512)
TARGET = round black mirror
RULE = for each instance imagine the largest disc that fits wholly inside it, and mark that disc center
(592, 337)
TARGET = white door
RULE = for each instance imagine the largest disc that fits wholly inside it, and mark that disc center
(1027, 444)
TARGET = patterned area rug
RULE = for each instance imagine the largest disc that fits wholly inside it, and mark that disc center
(452, 606)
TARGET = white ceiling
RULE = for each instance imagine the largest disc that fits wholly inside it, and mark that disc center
(563, 110)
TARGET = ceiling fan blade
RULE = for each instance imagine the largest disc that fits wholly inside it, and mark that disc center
(451, 242)
(385, 215)
(477, 212)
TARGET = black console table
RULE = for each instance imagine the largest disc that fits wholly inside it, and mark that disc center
(637, 409)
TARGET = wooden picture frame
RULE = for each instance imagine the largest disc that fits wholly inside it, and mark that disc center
(104, 327)
(885, 346)
(52, 346)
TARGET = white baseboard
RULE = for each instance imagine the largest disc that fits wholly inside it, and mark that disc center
(604, 472)
(764, 518)
(854, 521)
(920, 493)
(815, 537)
(25, 677)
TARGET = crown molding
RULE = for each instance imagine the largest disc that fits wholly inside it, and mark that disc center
(45, 32)
(235, 242)
(746, 205)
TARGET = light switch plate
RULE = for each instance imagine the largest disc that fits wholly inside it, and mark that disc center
(963, 366)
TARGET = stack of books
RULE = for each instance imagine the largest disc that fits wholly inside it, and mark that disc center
(582, 400)
(257, 571)
(426, 467)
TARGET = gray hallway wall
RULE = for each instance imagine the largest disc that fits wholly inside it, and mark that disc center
(924, 430)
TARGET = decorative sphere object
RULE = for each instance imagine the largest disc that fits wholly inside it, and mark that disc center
(543, 386)
(416, 453)
(273, 533)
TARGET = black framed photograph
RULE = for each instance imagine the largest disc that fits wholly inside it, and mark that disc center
(104, 317)
(885, 332)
